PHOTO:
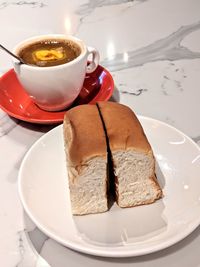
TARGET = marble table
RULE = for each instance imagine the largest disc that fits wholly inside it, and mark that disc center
(152, 49)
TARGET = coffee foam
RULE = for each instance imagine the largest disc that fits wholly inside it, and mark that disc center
(74, 46)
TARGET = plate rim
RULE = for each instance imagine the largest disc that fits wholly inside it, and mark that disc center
(105, 252)
(55, 120)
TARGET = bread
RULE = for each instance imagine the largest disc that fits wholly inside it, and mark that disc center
(102, 139)
(86, 153)
(133, 160)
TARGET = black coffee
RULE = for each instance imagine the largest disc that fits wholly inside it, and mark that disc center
(48, 53)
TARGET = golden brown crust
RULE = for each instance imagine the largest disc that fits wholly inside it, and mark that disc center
(83, 134)
(157, 186)
(123, 128)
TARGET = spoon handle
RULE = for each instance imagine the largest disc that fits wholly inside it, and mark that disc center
(13, 55)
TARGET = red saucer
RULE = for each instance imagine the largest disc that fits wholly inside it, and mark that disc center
(98, 86)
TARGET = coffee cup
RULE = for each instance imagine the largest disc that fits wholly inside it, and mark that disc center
(54, 86)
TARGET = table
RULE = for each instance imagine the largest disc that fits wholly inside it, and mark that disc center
(151, 47)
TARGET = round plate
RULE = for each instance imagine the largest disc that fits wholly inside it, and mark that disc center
(43, 189)
(98, 86)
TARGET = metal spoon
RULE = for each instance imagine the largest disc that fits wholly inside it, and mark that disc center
(13, 55)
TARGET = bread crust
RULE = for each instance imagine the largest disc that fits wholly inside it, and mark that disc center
(80, 125)
(123, 128)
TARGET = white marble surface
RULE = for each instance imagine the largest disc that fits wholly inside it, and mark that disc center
(152, 48)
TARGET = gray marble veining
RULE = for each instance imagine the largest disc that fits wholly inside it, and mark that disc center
(6, 124)
(32, 4)
(20, 248)
(173, 79)
(136, 92)
(168, 48)
(25, 251)
(87, 8)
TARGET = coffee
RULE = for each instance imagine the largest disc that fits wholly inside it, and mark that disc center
(50, 52)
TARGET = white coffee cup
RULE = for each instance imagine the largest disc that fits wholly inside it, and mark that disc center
(56, 87)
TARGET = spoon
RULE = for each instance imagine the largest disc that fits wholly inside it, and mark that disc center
(13, 55)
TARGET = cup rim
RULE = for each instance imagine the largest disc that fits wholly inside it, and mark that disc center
(36, 38)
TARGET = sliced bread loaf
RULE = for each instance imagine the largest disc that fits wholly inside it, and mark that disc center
(133, 159)
(86, 153)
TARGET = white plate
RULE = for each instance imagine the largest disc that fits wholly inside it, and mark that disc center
(43, 190)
